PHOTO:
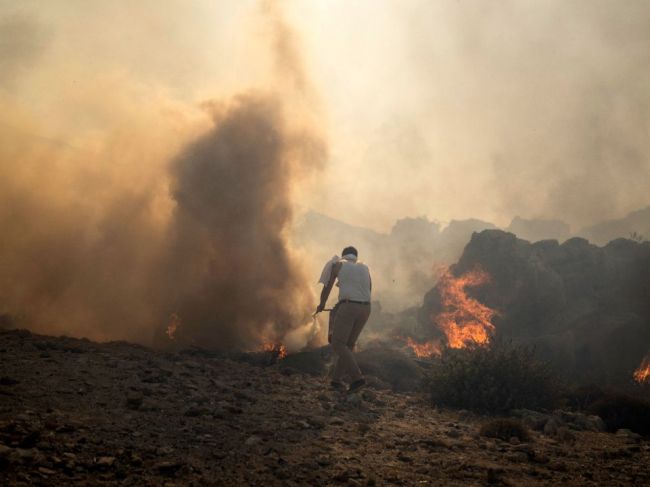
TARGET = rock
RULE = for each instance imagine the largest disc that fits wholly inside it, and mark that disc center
(564, 435)
(136, 460)
(526, 448)
(336, 421)
(134, 400)
(232, 409)
(354, 399)
(317, 423)
(149, 405)
(244, 396)
(590, 423)
(196, 411)
(493, 476)
(30, 439)
(253, 440)
(453, 433)
(323, 460)
(46, 471)
(369, 395)
(464, 415)
(532, 419)
(303, 424)
(5, 451)
(168, 467)
(517, 456)
(22, 455)
(105, 461)
(363, 428)
(551, 427)
(401, 456)
(164, 450)
(628, 434)
(514, 441)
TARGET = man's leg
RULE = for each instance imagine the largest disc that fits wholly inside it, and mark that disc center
(360, 320)
(343, 324)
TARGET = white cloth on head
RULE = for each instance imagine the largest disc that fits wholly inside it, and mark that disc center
(327, 270)
(350, 257)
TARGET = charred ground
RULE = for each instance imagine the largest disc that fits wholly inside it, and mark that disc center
(78, 412)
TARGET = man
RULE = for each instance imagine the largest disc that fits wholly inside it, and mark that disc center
(349, 315)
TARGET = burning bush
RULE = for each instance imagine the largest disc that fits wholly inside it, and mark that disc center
(491, 380)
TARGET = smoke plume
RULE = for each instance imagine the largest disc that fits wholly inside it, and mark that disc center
(145, 210)
(229, 250)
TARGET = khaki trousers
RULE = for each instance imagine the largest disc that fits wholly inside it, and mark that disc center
(348, 322)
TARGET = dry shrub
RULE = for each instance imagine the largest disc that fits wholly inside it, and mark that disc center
(493, 380)
(504, 429)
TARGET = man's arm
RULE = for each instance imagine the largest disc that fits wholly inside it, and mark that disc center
(325, 293)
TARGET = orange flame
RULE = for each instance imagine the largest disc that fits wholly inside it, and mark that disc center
(642, 374)
(464, 320)
(424, 350)
(275, 347)
(172, 327)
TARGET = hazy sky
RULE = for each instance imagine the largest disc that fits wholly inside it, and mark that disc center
(448, 109)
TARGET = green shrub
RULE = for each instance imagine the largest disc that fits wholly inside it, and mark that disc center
(504, 429)
(492, 380)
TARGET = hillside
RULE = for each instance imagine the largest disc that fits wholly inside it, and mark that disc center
(75, 412)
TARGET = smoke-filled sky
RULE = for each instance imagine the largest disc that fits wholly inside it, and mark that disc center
(488, 109)
(371, 110)
(446, 109)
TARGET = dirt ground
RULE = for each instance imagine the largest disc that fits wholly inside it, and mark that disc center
(77, 412)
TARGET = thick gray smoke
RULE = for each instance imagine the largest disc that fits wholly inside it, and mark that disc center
(555, 94)
(237, 279)
(457, 109)
(141, 208)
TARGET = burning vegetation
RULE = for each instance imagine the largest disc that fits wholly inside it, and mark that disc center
(424, 350)
(463, 320)
(172, 326)
(642, 373)
(278, 348)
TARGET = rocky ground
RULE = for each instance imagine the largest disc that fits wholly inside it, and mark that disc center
(78, 412)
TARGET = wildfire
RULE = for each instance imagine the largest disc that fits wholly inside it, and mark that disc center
(464, 320)
(642, 374)
(275, 347)
(172, 327)
(424, 350)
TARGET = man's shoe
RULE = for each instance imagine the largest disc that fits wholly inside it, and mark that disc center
(337, 386)
(356, 385)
